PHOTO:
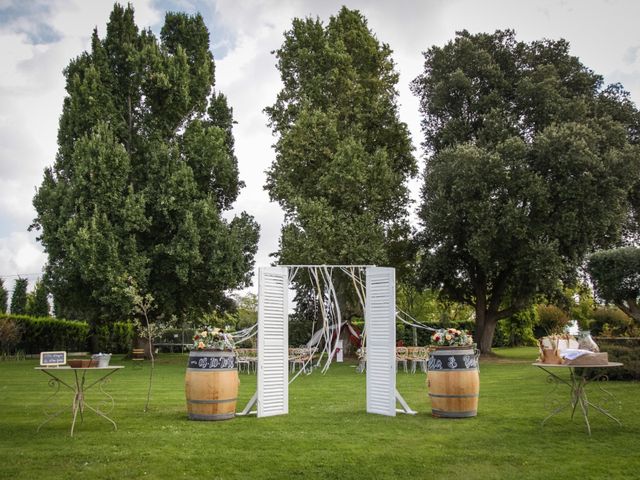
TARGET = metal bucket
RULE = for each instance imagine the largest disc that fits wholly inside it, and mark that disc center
(101, 359)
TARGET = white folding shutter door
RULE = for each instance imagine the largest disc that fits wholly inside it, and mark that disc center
(273, 340)
(381, 340)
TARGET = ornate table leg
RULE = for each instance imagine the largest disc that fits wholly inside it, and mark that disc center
(79, 387)
(577, 383)
(555, 380)
(598, 380)
(78, 400)
(109, 402)
(580, 396)
(53, 383)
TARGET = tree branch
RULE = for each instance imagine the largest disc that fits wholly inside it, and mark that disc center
(507, 312)
(630, 308)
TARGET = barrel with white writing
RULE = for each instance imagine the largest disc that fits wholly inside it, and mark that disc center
(453, 382)
(211, 385)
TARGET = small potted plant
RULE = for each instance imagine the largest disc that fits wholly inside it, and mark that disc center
(451, 337)
(211, 384)
(214, 339)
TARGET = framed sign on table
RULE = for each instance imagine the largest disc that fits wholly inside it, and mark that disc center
(53, 359)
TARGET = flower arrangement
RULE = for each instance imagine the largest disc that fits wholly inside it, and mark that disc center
(451, 337)
(208, 338)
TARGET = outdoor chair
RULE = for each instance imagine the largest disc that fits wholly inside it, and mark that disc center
(243, 360)
(362, 360)
(137, 355)
(302, 357)
(251, 354)
(418, 356)
(401, 356)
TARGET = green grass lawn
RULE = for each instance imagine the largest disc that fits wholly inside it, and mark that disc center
(326, 435)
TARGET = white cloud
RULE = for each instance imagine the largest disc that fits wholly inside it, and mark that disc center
(20, 255)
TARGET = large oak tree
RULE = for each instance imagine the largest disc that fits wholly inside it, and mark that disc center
(529, 167)
(144, 171)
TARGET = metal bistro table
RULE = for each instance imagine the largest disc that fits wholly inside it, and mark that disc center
(79, 385)
(577, 382)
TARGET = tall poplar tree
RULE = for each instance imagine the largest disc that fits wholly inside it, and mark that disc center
(531, 160)
(19, 296)
(4, 297)
(37, 301)
(144, 171)
(342, 155)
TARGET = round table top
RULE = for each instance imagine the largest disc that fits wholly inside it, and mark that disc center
(567, 365)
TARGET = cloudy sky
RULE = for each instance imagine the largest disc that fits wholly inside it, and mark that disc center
(39, 37)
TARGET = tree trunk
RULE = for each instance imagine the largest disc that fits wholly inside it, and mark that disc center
(485, 325)
(484, 337)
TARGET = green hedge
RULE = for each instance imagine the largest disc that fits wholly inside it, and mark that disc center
(40, 334)
(46, 333)
(625, 350)
(114, 337)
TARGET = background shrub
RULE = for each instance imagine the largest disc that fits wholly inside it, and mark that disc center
(113, 337)
(517, 330)
(610, 320)
(45, 333)
(10, 335)
(551, 320)
(625, 350)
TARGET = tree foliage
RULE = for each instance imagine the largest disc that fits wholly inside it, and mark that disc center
(144, 171)
(530, 163)
(552, 320)
(19, 296)
(4, 297)
(612, 322)
(38, 301)
(342, 154)
(616, 276)
(517, 330)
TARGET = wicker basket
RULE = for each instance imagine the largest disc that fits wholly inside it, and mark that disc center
(600, 358)
(551, 355)
(81, 363)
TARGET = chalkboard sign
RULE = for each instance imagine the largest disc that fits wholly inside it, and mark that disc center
(438, 361)
(212, 362)
(52, 359)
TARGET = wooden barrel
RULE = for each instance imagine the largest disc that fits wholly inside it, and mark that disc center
(453, 382)
(211, 385)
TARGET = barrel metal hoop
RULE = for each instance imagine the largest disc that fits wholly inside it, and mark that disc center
(442, 413)
(226, 400)
(449, 370)
(473, 395)
(199, 416)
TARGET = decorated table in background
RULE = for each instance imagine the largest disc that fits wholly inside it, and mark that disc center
(75, 379)
(580, 376)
